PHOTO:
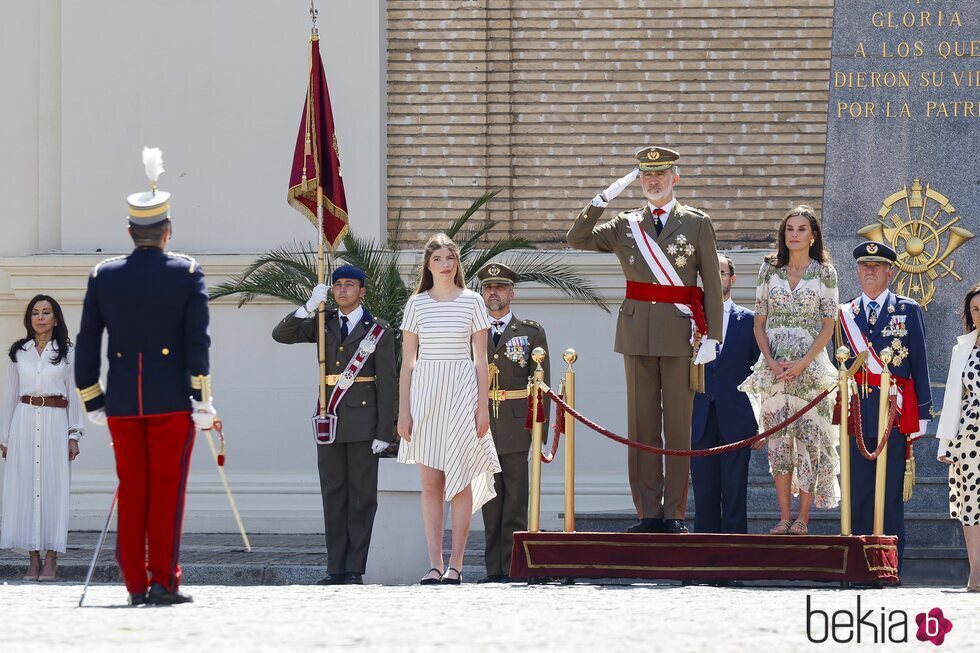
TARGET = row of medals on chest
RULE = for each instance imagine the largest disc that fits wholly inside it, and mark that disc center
(895, 329)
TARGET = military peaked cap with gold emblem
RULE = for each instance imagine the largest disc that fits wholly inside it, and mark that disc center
(654, 158)
(496, 273)
(149, 208)
(875, 252)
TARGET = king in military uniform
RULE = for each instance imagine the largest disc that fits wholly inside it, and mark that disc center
(663, 248)
(876, 319)
(509, 346)
(154, 306)
(361, 407)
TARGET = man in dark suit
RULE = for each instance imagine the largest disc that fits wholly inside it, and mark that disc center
(876, 319)
(509, 350)
(154, 305)
(348, 466)
(723, 414)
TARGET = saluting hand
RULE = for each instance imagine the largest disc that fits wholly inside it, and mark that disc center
(615, 188)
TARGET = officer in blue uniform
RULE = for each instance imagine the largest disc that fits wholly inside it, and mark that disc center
(722, 415)
(885, 319)
(154, 305)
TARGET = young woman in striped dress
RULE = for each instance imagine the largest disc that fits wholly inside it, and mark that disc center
(443, 412)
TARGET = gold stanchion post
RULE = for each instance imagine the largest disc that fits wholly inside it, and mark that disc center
(844, 385)
(534, 507)
(570, 357)
(881, 465)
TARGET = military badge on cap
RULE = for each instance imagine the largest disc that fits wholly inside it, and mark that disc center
(875, 252)
(496, 273)
(149, 208)
(653, 158)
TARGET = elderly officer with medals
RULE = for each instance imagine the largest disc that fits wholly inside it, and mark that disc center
(360, 412)
(877, 319)
(154, 306)
(668, 327)
(509, 350)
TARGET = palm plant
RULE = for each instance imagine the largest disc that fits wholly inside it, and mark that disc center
(289, 272)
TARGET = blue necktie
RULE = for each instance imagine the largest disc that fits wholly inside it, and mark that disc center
(872, 313)
(344, 331)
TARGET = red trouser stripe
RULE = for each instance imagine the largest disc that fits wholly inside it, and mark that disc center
(152, 462)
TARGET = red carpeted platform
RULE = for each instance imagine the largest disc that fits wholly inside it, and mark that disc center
(862, 559)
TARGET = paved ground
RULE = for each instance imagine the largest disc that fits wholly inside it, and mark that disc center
(469, 618)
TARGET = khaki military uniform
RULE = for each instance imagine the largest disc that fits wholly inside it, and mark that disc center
(654, 338)
(348, 469)
(507, 512)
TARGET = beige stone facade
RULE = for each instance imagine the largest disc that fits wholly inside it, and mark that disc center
(547, 100)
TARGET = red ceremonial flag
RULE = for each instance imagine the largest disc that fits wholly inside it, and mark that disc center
(316, 161)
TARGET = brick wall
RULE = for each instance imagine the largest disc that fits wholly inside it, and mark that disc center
(547, 100)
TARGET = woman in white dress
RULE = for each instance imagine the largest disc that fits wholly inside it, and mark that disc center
(443, 411)
(39, 431)
(959, 433)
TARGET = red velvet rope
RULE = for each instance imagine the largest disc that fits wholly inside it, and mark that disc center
(858, 433)
(697, 453)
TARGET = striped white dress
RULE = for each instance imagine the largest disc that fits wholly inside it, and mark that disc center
(444, 395)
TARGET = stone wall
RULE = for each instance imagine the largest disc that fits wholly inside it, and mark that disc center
(547, 100)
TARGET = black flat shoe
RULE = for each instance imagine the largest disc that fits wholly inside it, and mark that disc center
(446, 580)
(160, 595)
(354, 578)
(431, 581)
(333, 579)
(137, 599)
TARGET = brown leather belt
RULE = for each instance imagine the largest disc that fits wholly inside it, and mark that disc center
(45, 401)
(333, 379)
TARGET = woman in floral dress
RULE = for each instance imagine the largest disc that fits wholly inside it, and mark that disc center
(796, 301)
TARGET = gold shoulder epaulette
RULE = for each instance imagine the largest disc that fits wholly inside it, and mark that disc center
(532, 323)
(694, 210)
(95, 270)
(189, 259)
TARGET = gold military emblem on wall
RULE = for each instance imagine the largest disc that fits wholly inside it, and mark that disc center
(921, 226)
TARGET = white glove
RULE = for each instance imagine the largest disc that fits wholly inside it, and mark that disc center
(378, 446)
(923, 425)
(317, 297)
(707, 352)
(203, 414)
(98, 417)
(602, 199)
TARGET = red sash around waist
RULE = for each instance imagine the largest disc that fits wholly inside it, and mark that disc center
(909, 411)
(691, 296)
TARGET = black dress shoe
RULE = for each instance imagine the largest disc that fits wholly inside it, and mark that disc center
(160, 595)
(137, 599)
(492, 578)
(354, 578)
(647, 525)
(333, 579)
(675, 526)
(451, 580)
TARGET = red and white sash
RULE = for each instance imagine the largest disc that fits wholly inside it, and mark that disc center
(328, 434)
(659, 264)
(858, 341)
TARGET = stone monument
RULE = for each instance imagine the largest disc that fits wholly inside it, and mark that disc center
(903, 166)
